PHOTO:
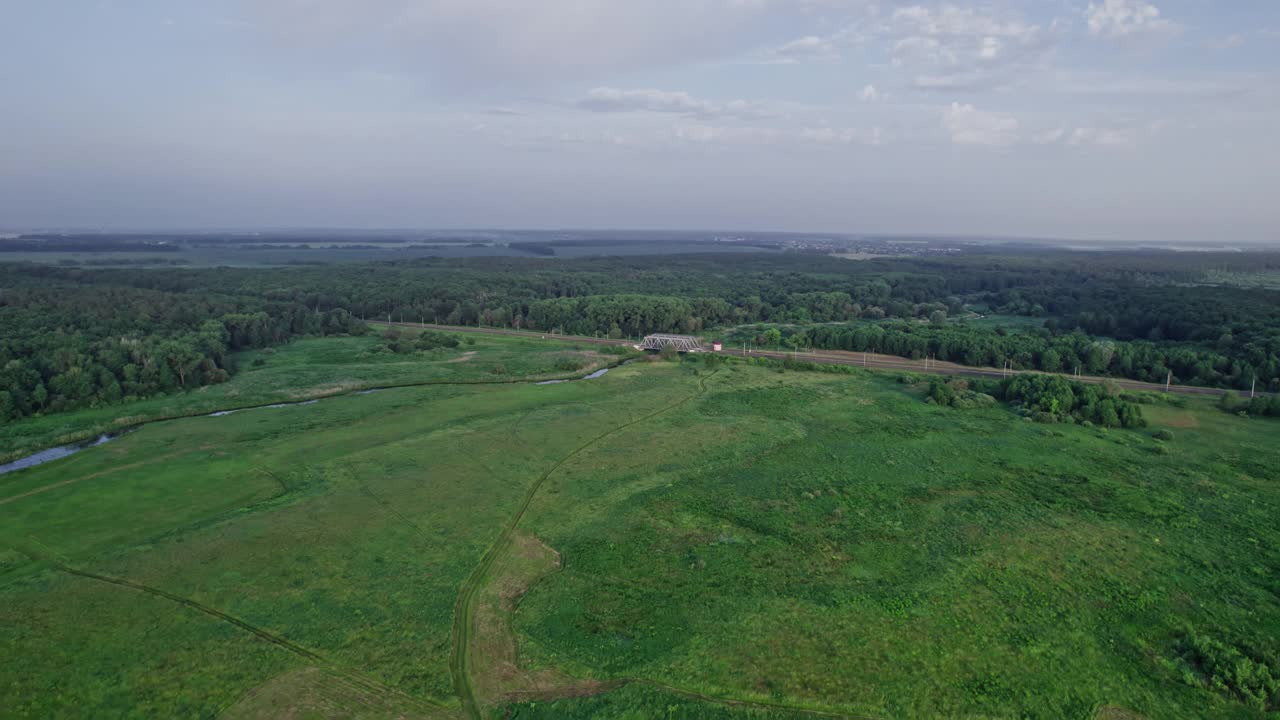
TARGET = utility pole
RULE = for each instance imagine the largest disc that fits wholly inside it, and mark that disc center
(1168, 381)
(1253, 391)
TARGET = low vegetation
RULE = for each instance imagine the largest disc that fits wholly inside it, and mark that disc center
(310, 368)
(674, 539)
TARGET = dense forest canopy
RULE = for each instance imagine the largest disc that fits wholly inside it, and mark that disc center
(76, 337)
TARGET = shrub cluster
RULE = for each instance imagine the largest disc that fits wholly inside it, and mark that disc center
(1258, 406)
(1205, 662)
(399, 343)
(958, 394)
(1053, 398)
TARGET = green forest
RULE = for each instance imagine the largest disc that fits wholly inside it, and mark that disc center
(88, 337)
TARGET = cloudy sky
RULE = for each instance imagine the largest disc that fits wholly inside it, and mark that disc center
(1126, 119)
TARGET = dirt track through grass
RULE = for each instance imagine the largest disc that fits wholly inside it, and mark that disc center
(464, 609)
(265, 635)
(73, 481)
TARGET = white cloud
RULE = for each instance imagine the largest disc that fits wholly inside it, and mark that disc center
(471, 43)
(1124, 18)
(809, 47)
(870, 94)
(1228, 42)
(969, 126)
(1091, 136)
(710, 134)
(950, 47)
(1108, 137)
(606, 99)
(758, 136)
(1049, 137)
(943, 46)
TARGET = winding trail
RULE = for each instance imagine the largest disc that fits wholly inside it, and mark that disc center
(279, 641)
(117, 431)
(464, 608)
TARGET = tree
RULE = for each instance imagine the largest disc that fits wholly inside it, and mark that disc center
(1050, 361)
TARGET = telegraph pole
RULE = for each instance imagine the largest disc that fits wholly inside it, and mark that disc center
(1253, 391)
(1168, 381)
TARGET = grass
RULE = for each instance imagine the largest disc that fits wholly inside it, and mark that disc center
(905, 560)
(306, 369)
(663, 541)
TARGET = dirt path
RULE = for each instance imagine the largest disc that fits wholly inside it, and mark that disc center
(73, 481)
(464, 612)
(352, 677)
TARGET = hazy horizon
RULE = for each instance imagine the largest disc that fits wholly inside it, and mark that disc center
(1135, 121)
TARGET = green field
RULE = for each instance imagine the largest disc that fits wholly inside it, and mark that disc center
(315, 368)
(670, 540)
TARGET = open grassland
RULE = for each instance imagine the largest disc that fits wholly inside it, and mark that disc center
(666, 541)
(889, 558)
(314, 368)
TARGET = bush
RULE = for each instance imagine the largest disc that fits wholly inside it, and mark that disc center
(1057, 396)
(431, 340)
(1163, 435)
(957, 394)
(1208, 663)
(569, 364)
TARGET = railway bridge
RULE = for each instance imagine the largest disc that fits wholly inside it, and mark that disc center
(682, 343)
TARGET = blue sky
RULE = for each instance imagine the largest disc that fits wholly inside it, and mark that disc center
(1125, 119)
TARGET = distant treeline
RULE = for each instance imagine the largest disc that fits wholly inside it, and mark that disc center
(67, 345)
(25, 244)
(533, 248)
(1226, 362)
(114, 262)
(1137, 315)
(106, 240)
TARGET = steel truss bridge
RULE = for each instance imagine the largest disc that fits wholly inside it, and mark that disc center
(682, 343)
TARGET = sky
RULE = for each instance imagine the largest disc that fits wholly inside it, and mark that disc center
(1131, 120)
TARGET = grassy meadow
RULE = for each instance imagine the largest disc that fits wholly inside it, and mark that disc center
(314, 368)
(670, 540)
